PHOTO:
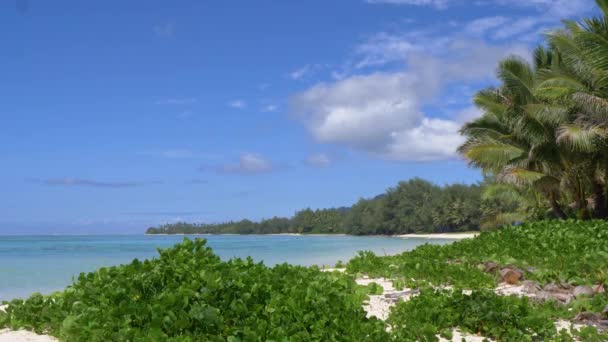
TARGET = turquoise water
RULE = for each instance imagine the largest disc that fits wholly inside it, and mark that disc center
(47, 263)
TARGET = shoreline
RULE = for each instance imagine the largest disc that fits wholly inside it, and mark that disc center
(447, 236)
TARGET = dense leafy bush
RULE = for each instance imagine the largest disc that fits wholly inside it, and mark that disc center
(482, 312)
(426, 265)
(189, 294)
(568, 251)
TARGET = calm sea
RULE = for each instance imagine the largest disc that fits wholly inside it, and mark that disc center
(48, 263)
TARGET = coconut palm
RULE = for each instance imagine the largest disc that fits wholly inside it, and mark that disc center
(546, 126)
(511, 139)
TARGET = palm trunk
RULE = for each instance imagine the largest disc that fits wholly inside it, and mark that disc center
(599, 198)
(557, 209)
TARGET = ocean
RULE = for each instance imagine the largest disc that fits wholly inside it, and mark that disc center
(48, 263)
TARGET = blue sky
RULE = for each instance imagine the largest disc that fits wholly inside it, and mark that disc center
(117, 115)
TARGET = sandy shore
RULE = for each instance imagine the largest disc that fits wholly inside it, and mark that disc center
(7, 335)
(453, 236)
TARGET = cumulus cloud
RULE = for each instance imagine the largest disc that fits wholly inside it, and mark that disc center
(249, 163)
(381, 113)
(81, 182)
(318, 160)
(429, 140)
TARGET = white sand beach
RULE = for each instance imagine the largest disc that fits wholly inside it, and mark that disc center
(454, 236)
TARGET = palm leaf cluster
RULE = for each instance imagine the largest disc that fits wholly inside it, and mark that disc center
(545, 127)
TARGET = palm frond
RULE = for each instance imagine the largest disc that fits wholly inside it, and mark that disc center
(580, 138)
(553, 115)
(594, 106)
(517, 76)
(524, 177)
(491, 154)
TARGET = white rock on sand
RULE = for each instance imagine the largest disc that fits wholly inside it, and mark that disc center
(380, 305)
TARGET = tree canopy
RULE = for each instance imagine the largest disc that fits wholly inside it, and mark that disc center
(414, 206)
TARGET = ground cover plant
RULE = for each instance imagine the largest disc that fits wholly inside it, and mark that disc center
(504, 318)
(568, 253)
(189, 294)
(575, 252)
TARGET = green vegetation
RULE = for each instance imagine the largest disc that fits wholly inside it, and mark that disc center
(544, 129)
(188, 294)
(415, 206)
(573, 252)
(481, 312)
(560, 252)
(541, 143)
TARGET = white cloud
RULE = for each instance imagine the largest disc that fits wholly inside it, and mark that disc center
(238, 104)
(306, 71)
(518, 27)
(359, 110)
(441, 4)
(383, 48)
(431, 139)
(555, 8)
(479, 26)
(318, 160)
(249, 163)
(299, 73)
(381, 113)
(468, 114)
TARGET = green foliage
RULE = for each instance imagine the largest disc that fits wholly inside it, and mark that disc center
(415, 206)
(543, 129)
(188, 294)
(425, 265)
(570, 251)
(506, 318)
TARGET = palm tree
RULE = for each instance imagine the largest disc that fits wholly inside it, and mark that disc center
(511, 139)
(578, 81)
(546, 126)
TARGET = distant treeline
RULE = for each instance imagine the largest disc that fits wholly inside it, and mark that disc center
(415, 206)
